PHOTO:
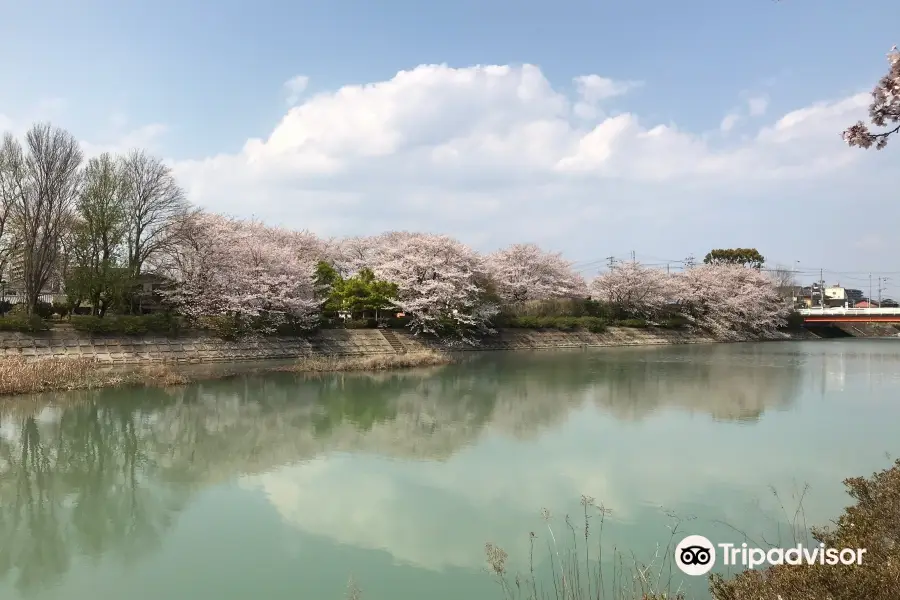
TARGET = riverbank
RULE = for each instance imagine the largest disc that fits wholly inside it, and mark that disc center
(143, 350)
(19, 376)
(62, 360)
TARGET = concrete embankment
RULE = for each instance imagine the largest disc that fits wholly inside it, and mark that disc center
(336, 342)
(854, 330)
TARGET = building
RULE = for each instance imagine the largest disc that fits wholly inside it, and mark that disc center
(834, 296)
(866, 304)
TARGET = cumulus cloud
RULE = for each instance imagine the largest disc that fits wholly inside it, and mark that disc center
(729, 122)
(146, 137)
(295, 86)
(755, 106)
(496, 153)
(594, 89)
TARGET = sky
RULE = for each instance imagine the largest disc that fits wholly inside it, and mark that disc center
(592, 128)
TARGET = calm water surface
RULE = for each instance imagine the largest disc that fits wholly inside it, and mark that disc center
(279, 487)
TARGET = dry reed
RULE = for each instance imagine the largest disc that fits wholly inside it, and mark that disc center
(378, 362)
(576, 574)
(20, 376)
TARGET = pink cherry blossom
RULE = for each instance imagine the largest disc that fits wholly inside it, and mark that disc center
(524, 272)
(245, 269)
(884, 110)
(729, 299)
(440, 280)
(633, 288)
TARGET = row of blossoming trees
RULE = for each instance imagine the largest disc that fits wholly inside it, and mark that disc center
(100, 226)
(252, 273)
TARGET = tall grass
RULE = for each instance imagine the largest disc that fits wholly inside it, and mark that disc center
(576, 573)
(20, 376)
(374, 362)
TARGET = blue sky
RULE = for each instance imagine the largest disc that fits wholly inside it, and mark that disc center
(490, 156)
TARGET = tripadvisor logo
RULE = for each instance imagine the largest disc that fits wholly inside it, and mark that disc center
(696, 555)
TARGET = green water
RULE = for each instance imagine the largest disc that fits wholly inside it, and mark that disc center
(279, 487)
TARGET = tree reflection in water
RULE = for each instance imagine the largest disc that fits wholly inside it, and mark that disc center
(106, 472)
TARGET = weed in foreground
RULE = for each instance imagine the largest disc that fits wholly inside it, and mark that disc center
(873, 523)
(575, 575)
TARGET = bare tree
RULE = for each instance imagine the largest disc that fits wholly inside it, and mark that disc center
(155, 208)
(45, 182)
(784, 280)
(99, 232)
(12, 181)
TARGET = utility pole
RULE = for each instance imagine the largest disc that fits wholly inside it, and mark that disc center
(611, 260)
(632, 256)
(822, 289)
(870, 290)
(689, 262)
(880, 288)
(667, 268)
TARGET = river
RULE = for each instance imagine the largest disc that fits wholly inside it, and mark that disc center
(280, 486)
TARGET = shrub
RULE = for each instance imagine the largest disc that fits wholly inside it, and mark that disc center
(63, 309)
(595, 325)
(43, 309)
(559, 307)
(794, 321)
(636, 323)
(290, 328)
(871, 523)
(360, 324)
(592, 324)
(396, 322)
(222, 326)
(159, 323)
(674, 322)
(23, 323)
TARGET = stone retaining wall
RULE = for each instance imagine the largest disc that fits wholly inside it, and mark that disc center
(147, 349)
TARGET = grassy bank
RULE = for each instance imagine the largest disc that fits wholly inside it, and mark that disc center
(18, 376)
(377, 362)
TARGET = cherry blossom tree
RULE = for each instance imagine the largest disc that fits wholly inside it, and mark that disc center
(884, 111)
(633, 288)
(350, 255)
(442, 283)
(246, 270)
(729, 299)
(524, 272)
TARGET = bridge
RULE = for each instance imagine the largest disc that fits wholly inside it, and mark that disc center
(850, 315)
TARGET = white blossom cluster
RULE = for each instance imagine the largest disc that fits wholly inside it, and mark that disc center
(245, 268)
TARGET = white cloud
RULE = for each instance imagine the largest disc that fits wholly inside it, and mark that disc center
(729, 122)
(145, 137)
(456, 136)
(593, 89)
(755, 107)
(295, 86)
(497, 153)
